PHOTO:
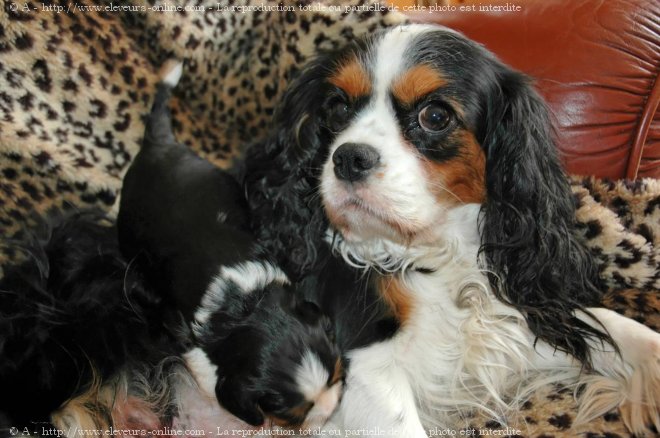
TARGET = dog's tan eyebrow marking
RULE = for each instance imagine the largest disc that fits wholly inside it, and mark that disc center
(416, 83)
(351, 77)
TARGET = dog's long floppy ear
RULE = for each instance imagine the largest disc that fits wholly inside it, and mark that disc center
(529, 235)
(282, 174)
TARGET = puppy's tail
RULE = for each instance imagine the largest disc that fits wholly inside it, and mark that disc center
(170, 73)
(159, 124)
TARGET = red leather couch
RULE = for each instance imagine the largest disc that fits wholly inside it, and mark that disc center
(595, 61)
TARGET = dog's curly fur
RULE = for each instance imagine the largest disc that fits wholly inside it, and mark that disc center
(539, 263)
(619, 220)
(529, 212)
(528, 219)
(281, 176)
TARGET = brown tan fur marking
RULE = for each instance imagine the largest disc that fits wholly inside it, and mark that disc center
(464, 176)
(396, 296)
(337, 372)
(352, 78)
(297, 413)
(417, 83)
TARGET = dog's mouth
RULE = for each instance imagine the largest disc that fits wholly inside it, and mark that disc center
(359, 206)
(358, 219)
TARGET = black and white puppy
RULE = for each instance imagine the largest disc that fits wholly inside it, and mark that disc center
(265, 353)
(433, 166)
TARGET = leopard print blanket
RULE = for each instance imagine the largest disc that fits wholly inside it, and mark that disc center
(77, 78)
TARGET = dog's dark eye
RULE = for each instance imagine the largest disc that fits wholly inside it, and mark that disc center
(338, 113)
(434, 117)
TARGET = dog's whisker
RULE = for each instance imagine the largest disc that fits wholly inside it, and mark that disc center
(441, 186)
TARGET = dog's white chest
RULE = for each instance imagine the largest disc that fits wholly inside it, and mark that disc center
(460, 347)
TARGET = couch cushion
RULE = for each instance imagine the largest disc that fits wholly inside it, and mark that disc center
(595, 61)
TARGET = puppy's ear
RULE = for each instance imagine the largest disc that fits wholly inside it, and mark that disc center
(235, 396)
(529, 237)
(282, 173)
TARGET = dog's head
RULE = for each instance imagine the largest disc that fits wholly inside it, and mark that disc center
(278, 363)
(304, 380)
(401, 130)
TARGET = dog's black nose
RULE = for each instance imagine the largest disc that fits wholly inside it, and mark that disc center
(354, 161)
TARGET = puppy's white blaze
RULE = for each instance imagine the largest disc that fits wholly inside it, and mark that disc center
(202, 369)
(170, 72)
(248, 277)
(311, 376)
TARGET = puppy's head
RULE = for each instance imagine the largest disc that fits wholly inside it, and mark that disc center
(303, 383)
(279, 364)
(407, 128)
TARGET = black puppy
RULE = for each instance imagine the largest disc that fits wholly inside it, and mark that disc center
(185, 223)
(73, 318)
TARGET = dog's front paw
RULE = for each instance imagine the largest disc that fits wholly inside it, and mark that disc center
(640, 410)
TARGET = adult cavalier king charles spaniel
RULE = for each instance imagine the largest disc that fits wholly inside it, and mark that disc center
(430, 167)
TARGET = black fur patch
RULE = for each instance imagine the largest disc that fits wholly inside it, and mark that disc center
(72, 310)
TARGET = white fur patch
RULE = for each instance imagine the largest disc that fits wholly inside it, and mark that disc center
(170, 72)
(311, 376)
(248, 277)
(202, 369)
(630, 381)
(389, 256)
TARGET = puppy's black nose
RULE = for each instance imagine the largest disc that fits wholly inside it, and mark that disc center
(354, 161)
